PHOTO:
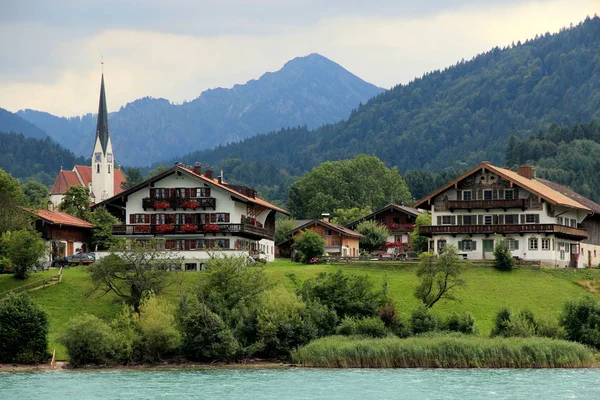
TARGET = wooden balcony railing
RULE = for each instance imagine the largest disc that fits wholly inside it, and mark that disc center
(485, 204)
(559, 230)
(191, 229)
(179, 202)
(332, 242)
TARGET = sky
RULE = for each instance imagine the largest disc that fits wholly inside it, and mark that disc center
(52, 49)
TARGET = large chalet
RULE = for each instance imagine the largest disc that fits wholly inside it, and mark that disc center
(541, 220)
(196, 212)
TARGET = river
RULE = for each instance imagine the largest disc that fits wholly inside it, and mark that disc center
(300, 383)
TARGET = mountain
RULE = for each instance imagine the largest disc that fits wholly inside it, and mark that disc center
(453, 118)
(28, 158)
(11, 122)
(310, 91)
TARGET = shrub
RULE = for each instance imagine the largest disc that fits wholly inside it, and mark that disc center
(369, 327)
(205, 337)
(23, 330)
(88, 340)
(503, 259)
(393, 321)
(464, 323)
(347, 295)
(24, 248)
(501, 322)
(422, 320)
(309, 245)
(347, 327)
(581, 321)
(157, 324)
(524, 324)
(6, 266)
(128, 343)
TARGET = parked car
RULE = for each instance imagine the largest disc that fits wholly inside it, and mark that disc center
(75, 259)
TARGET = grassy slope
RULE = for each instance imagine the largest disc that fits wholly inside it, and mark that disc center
(542, 291)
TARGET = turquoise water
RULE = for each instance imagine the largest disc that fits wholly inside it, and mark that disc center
(302, 383)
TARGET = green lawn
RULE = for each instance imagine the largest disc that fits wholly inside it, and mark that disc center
(543, 291)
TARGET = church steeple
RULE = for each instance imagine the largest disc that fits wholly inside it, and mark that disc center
(102, 133)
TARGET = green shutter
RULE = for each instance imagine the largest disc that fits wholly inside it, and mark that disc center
(460, 220)
(474, 245)
(460, 244)
(439, 220)
(516, 245)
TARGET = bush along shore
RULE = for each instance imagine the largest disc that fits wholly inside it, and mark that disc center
(443, 351)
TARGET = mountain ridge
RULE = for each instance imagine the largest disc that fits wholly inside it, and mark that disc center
(310, 90)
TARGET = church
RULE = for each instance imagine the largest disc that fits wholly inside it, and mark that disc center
(101, 177)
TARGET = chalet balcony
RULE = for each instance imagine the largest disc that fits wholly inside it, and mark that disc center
(485, 204)
(400, 228)
(332, 241)
(191, 203)
(192, 229)
(559, 230)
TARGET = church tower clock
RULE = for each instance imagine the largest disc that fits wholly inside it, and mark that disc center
(103, 163)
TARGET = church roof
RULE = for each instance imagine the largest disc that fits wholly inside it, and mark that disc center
(66, 179)
(102, 125)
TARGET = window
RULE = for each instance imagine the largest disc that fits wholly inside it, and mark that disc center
(180, 192)
(511, 219)
(509, 194)
(448, 220)
(467, 195)
(140, 218)
(441, 244)
(109, 169)
(180, 244)
(327, 232)
(222, 243)
(468, 245)
(531, 218)
(160, 193)
(488, 194)
(512, 244)
(179, 219)
(545, 244)
(160, 219)
(560, 220)
(533, 244)
(487, 220)
(396, 220)
(573, 223)
(468, 220)
(221, 217)
(202, 243)
(97, 168)
(398, 238)
(190, 266)
(202, 192)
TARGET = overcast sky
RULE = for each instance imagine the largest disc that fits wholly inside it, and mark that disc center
(51, 49)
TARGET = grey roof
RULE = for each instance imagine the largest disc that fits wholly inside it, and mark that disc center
(408, 210)
(595, 207)
(102, 126)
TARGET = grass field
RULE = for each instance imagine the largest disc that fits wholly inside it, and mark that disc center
(543, 291)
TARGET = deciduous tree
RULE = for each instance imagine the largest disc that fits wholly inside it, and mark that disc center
(375, 235)
(76, 202)
(343, 216)
(25, 248)
(309, 245)
(439, 276)
(37, 194)
(12, 200)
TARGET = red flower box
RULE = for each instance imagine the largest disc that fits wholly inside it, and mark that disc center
(211, 228)
(188, 228)
(393, 225)
(394, 244)
(409, 226)
(161, 205)
(141, 228)
(193, 204)
(165, 228)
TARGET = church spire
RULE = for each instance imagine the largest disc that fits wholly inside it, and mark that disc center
(102, 126)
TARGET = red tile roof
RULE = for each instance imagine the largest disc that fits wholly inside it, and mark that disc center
(64, 180)
(61, 218)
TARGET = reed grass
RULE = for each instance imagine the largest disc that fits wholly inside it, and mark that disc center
(443, 351)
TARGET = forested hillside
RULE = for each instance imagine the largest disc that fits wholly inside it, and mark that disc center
(565, 155)
(454, 118)
(311, 90)
(34, 159)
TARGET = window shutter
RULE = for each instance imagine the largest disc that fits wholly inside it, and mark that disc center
(459, 195)
(516, 193)
(522, 218)
(210, 243)
(480, 220)
(213, 217)
(495, 220)
(494, 195)
(170, 218)
(168, 244)
(152, 193)
(187, 244)
(537, 218)
(146, 218)
(153, 219)
(132, 218)
(460, 244)
(187, 192)
(460, 220)
(479, 194)
(501, 219)
(501, 193)
(516, 245)
(207, 192)
(439, 220)
(226, 245)
(227, 217)
(172, 192)
(473, 245)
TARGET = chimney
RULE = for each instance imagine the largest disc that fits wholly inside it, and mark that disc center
(209, 173)
(325, 217)
(198, 168)
(527, 171)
